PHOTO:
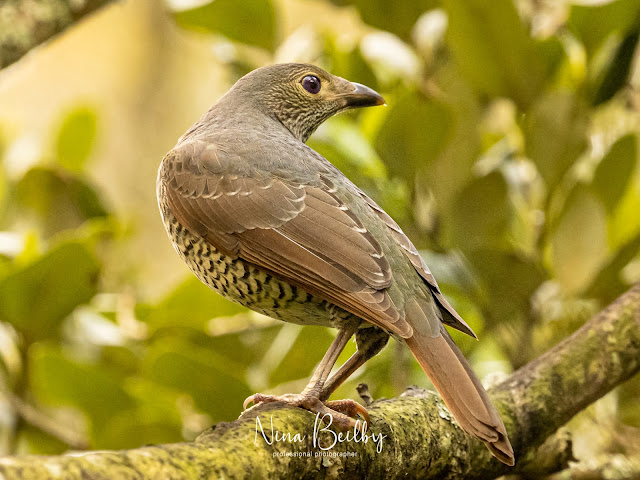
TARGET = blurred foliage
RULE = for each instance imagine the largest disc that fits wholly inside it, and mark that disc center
(508, 152)
(249, 21)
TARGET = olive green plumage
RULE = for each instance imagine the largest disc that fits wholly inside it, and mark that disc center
(269, 223)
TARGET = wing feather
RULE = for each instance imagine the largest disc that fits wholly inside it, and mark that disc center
(449, 315)
(300, 231)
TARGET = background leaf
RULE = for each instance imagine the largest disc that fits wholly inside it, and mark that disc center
(493, 49)
(595, 23)
(555, 135)
(615, 171)
(191, 304)
(482, 214)
(579, 240)
(399, 20)
(246, 21)
(616, 75)
(37, 298)
(421, 143)
(209, 381)
(58, 200)
(76, 138)
(58, 380)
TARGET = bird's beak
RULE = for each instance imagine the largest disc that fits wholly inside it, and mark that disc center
(363, 96)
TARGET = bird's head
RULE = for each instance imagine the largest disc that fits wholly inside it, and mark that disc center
(302, 96)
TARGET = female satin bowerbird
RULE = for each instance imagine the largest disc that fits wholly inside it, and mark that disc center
(269, 223)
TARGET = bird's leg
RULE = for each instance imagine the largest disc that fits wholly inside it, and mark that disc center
(322, 371)
(370, 342)
(310, 398)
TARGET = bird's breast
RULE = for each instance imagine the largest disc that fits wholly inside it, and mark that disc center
(243, 282)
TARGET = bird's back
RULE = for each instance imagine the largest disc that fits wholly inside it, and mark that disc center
(235, 150)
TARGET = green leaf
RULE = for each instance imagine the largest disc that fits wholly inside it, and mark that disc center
(553, 53)
(247, 21)
(414, 132)
(628, 394)
(39, 442)
(399, 18)
(60, 201)
(245, 348)
(135, 428)
(85, 198)
(122, 358)
(36, 298)
(616, 75)
(493, 49)
(58, 380)
(211, 381)
(482, 213)
(3, 183)
(509, 282)
(76, 138)
(624, 221)
(556, 132)
(579, 240)
(593, 24)
(614, 172)
(608, 284)
(448, 174)
(155, 419)
(191, 304)
(303, 355)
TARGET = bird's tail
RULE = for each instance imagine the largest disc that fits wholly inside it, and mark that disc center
(462, 391)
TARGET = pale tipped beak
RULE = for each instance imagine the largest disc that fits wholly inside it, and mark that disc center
(363, 96)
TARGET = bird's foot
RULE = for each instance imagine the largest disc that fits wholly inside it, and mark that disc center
(341, 413)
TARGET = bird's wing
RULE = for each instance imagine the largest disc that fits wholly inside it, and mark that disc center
(449, 315)
(300, 232)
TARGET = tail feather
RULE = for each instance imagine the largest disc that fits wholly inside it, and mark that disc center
(462, 391)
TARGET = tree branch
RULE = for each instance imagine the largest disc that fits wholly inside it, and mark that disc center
(36, 418)
(614, 467)
(415, 435)
(25, 24)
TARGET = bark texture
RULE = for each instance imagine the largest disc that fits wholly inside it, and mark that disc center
(25, 24)
(419, 436)
(614, 467)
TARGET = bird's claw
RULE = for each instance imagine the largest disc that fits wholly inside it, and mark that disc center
(247, 401)
(351, 409)
(258, 398)
(342, 412)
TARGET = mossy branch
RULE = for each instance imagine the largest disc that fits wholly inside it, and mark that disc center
(415, 435)
(611, 467)
(25, 24)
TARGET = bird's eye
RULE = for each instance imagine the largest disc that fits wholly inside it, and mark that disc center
(311, 84)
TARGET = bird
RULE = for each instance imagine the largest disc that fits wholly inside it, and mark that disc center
(269, 223)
